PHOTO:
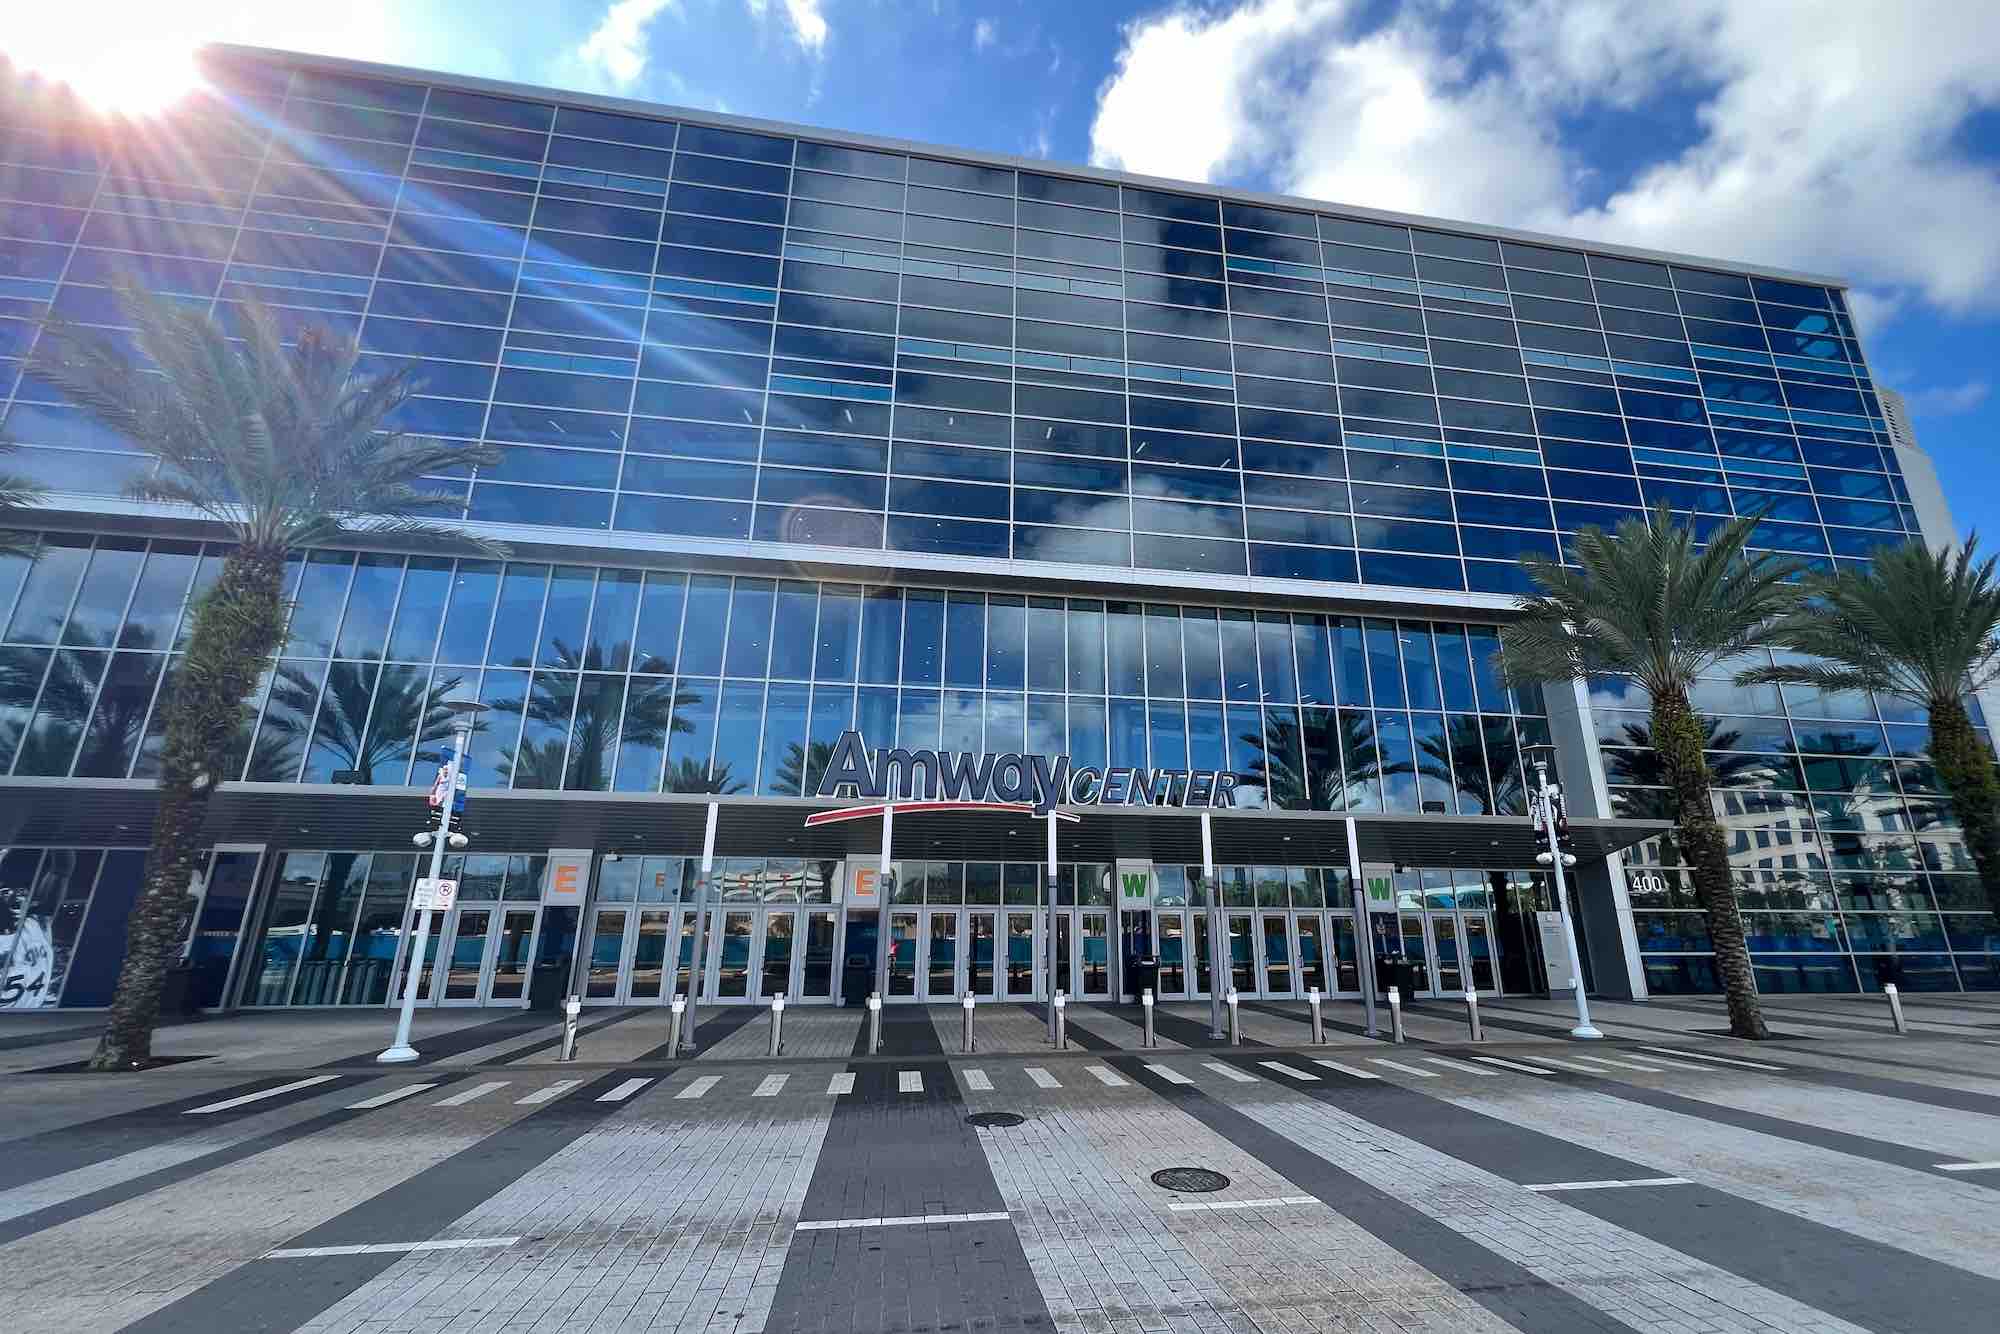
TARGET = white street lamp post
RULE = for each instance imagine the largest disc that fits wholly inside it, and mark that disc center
(463, 713)
(1556, 859)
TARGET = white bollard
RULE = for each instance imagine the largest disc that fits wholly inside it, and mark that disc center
(777, 1025)
(1235, 1020)
(874, 1022)
(571, 1008)
(1318, 1019)
(1472, 1015)
(678, 1008)
(1147, 1037)
(1395, 1015)
(1895, 1007)
(1062, 1022)
(965, 1033)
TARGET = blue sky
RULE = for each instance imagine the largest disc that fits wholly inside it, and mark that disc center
(1860, 140)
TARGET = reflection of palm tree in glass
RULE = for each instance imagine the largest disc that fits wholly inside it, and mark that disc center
(1459, 760)
(592, 719)
(405, 707)
(798, 773)
(1339, 753)
(1639, 771)
(695, 776)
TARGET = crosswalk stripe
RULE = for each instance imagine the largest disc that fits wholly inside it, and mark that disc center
(1511, 1065)
(1229, 1072)
(555, 1090)
(624, 1090)
(1406, 1069)
(1344, 1069)
(1966, 1167)
(1043, 1079)
(1171, 1075)
(1106, 1077)
(1680, 1065)
(977, 1081)
(909, 1081)
(1610, 1185)
(1456, 1065)
(1293, 1071)
(840, 1083)
(393, 1095)
(770, 1086)
(249, 1098)
(1704, 1056)
(476, 1091)
(699, 1086)
(1568, 1065)
(1615, 1063)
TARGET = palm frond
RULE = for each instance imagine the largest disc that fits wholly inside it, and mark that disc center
(1647, 600)
(281, 440)
(1918, 624)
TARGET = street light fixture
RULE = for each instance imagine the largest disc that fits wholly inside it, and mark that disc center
(444, 796)
(1551, 824)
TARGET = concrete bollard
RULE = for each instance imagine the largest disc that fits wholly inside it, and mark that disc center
(1472, 1015)
(1235, 1020)
(1319, 1020)
(1895, 1007)
(676, 1008)
(571, 1008)
(1147, 1037)
(1061, 1010)
(1395, 1015)
(874, 1022)
(965, 1029)
(777, 1025)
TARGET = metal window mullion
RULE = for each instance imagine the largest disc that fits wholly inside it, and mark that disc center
(513, 298)
(895, 367)
(250, 196)
(645, 323)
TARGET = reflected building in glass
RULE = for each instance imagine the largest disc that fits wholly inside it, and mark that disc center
(804, 433)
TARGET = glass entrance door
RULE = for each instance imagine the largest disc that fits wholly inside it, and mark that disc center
(1170, 935)
(1416, 952)
(1312, 960)
(470, 934)
(1447, 969)
(513, 952)
(1021, 959)
(646, 974)
(940, 979)
(754, 954)
(816, 956)
(1275, 945)
(1083, 953)
(905, 940)
(980, 935)
(1242, 953)
(601, 982)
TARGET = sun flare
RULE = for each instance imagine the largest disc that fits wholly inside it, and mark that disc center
(133, 79)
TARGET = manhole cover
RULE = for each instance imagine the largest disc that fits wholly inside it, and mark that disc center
(1194, 1180)
(988, 1120)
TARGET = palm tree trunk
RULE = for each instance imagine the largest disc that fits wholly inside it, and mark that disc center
(1965, 766)
(238, 625)
(1678, 736)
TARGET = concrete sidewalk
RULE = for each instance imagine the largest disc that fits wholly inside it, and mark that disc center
(293, 1040)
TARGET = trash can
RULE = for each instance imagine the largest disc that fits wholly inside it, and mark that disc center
(546, 985)
(1393, 970)
(177, 992)
(1144, 970)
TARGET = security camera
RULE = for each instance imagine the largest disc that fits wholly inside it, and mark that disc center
(614, 856)
(457, 840)
(423, 838)
(1401, 867)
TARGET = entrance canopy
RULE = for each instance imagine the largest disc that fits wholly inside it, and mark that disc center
(317, 815)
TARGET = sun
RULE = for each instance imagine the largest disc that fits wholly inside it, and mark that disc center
(132, 78)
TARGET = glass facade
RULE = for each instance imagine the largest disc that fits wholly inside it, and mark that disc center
(679, 332)
(614, 679)
(689, 330)
(1848, 859)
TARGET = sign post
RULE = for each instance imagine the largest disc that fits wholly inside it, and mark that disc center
(1218, 942)
(447, 798)
(1550, 822)
(1364, 929)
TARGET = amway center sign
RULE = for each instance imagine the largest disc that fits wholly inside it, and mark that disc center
(1040, 782)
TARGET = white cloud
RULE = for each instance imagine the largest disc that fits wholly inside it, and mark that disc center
(1948, 400)
(617, 49)
(984, 33)
(806, 20)
(1824, 133)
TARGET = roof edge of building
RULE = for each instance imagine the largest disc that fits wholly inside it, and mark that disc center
(719, 120)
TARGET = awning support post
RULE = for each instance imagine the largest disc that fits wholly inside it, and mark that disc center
(1049, 936)
(1218, 941)
(1364, 930)
(699, 964)
(885, 888)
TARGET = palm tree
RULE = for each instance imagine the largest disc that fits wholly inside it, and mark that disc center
(285, 447)
(1923, 626)
(1646, 602)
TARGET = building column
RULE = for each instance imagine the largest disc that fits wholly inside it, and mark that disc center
(1603, 905)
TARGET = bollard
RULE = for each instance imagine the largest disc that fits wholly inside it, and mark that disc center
(678, 1007)
(1062, 1022)
(777, 1024)
(874, 1022)
(965, 1030)
(1319, 1020)
(1472, 1015)
(1895, 1007)
(571, 1008)
(1235, 1020)
(1147, 1038)
(1395, 1015)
